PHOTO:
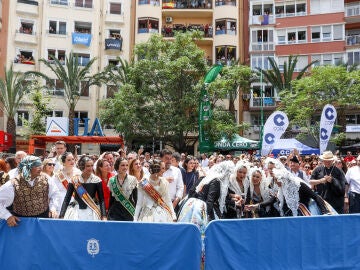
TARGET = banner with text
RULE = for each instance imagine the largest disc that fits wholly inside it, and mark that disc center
(274, 127)
(61, 244)
(328, 118)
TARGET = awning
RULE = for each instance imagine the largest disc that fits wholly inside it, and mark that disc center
(80, 139)
(236, 143)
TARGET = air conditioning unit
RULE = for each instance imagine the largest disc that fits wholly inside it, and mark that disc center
(168, 19)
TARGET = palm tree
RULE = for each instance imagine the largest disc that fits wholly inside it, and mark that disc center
(71, 74)
(282, 80)
(13, 89)
(119, 74)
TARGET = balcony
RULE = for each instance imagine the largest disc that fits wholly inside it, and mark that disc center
(352, 40)
(262, 46)
(262, 19)
(27, 7)
(23, 67)
(59, 2)
(29, 38)
(269, 102)
(352, 12)
(186, 4)
(114, 18)
(169, 30)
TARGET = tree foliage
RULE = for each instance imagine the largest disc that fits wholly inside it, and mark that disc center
(326, 85)
(37, 124)
(281, 80)
(13, 89)
(160, 96)
(75, 78)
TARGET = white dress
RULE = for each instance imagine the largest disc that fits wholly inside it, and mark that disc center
(147, 210)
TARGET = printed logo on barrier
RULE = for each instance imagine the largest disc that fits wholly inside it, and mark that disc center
(279, 120)
(93, 247)
(323, 134)
(269, 138)
(329, 114)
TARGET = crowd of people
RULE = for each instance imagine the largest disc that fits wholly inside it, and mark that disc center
(172, 187)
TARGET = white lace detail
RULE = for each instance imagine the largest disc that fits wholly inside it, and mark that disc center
(264, 191)
(288, 191)
(221, 171)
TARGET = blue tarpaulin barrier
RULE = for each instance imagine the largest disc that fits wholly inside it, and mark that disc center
(321, 242)
(59, 244)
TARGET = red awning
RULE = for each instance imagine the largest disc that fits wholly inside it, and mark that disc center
(81, 139)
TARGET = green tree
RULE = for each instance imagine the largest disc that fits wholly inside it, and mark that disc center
(13, 89)
(160, 99)
(40, 102)
(282, 80)
(326, 85)
(75, 77)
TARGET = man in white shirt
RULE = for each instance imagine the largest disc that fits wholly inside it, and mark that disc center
(353, 179)
(174, 177)
(60, 148)
(19, 155)
(204, 160)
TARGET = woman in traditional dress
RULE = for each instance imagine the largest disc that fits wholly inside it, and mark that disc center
(88, 190)
(208, 201)
(123, 193)
(236, 191)
(104, 172)
(64, 175)
(135, 169)
(154, 203)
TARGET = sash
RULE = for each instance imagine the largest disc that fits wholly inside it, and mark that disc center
(152, 192)
(64, 182)
(84, 195)
(123, 200)
(303, 210)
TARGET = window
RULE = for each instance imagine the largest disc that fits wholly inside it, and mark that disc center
(82, 116)
(115, 8)
(83, 58)
(83, 3)
(148, 25)
(262, 40)
(24, 57)
(225, 55)
(225, 26)
(57, 28)
(55, 114)
(261, 61)
(315, 33)
(111, 90)
(84, 89)
(21, 116)
(26, 27)
(113, 33)
(55, 87)
(59, 54)
(294, 8)
(82, 27)
(328, 59)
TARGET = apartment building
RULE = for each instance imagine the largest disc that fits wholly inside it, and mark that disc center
(311, 29)
(38, 29)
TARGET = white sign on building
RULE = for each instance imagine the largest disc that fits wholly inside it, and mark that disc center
(57, 126)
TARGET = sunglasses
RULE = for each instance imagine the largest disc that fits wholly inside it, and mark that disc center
(307, 167)
(51, 164)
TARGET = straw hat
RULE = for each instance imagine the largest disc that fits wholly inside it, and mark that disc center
(327, 155)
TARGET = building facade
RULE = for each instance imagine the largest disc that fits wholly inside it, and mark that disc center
(41, 29)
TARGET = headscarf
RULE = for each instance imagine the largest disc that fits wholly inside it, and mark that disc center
(26, 164)
(234, 185)
(222, 172)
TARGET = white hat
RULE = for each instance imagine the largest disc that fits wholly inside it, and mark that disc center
(327, 155)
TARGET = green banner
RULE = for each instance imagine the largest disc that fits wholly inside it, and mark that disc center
(205, 113)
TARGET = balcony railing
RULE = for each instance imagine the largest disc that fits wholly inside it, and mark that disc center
(262, 19)
(268, 102)
(83, 5)
(352, 40)
(187, 4)
(262, 46)
(149, 2)
(225, 3)
(225, 31)
(59, 2)
(169, 31)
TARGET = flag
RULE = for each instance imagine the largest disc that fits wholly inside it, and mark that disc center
(328, 118)
(274, 127)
